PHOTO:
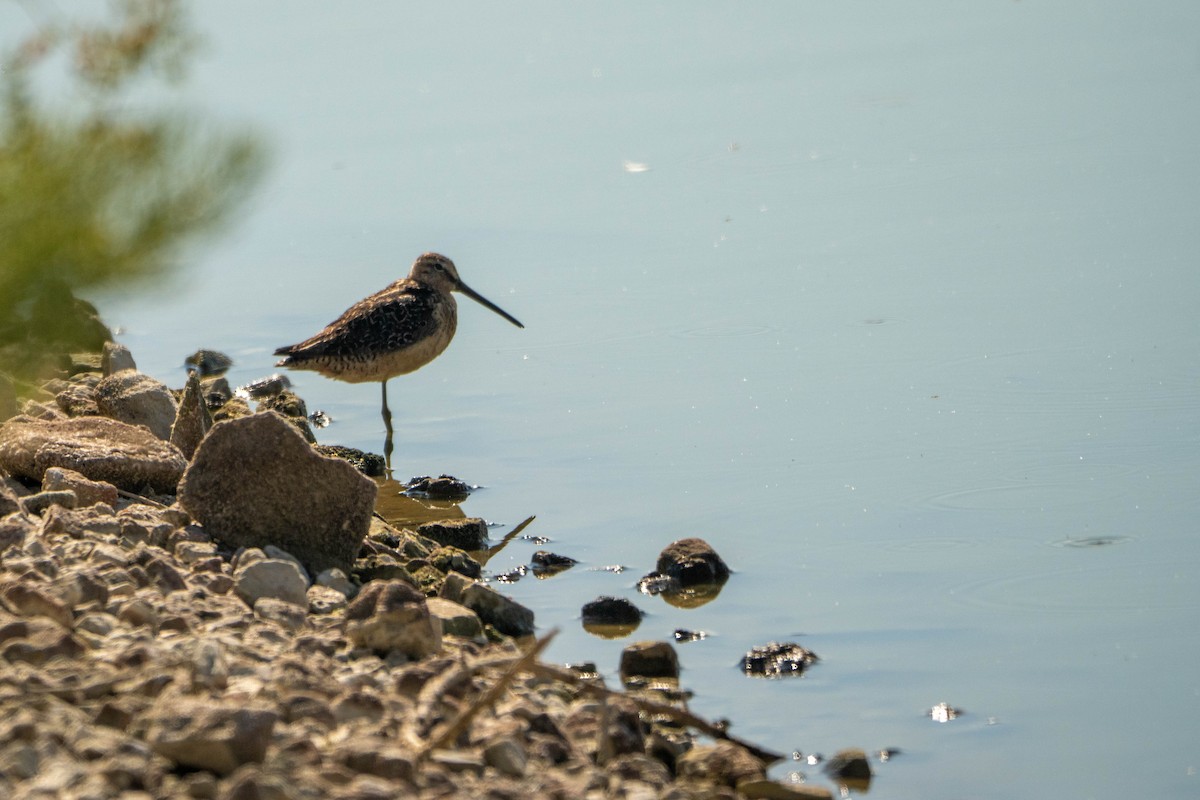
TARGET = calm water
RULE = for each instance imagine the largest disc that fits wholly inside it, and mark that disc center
(895, 307)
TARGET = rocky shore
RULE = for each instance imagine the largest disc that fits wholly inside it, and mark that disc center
(197, 602)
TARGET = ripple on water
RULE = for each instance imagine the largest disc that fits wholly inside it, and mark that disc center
(1042, 487)
(724, 331)
(1084, 589)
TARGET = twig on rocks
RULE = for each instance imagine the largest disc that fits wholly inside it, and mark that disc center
(659, 709)
(139, 498)
(459, 723)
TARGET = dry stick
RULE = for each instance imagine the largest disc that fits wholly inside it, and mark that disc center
(135, 496)
(459, 724)
(652, 707)
(508, 537)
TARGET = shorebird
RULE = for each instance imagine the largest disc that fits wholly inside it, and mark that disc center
(393, 332)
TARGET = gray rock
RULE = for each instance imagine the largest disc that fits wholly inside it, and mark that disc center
(192, 419)
(9, 500)
(336, 579)
(270, 577)
(115, 358)
(139, 400)
(502, 613)
(457, 620)
(87, 492)
(254, 481)
(13, 530)
(507, 756)
(37, 503)
(127, 456)
(206, 734)
(391, 615)
(282, 612)
(31, 601)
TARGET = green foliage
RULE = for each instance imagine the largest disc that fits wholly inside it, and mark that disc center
(101, 195)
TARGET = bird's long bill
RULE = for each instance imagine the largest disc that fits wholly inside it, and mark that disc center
(483, 301)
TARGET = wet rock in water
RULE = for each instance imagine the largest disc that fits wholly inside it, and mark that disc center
(723, 763)
(775, 660)
(392, 615)
(692, 561)
(87, 492)
(266, 387)
(257, 576)
(468, 534)
(546, 564)
(115, 358)
(684, 635)
(291, 407)
(127, 456)
(199, 733)
(209, 362)
(254, 481)
(649, 660)
(444, 487)
(501, 612)
(138, 400)
(850, 766)
(192, 420)
(368, 464)
(611, 611)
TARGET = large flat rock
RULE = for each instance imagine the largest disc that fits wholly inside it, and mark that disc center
(254, 482)
(129, 457)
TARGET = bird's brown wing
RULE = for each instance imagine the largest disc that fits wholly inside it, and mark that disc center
(391, 320)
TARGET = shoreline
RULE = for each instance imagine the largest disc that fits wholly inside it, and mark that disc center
(166, 634)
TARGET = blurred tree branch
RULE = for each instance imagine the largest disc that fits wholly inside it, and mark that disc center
(100, 194)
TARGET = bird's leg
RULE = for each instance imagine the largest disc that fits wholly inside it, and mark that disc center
(387, 423)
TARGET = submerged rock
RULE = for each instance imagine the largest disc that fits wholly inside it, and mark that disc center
(254, 481)
(775, 660)
(692, 561)
(369, 464)
(611, 611)
(649, 660)
(444, 487)
(127, 456)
